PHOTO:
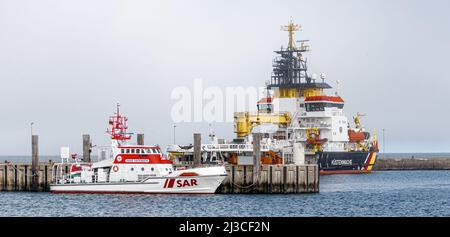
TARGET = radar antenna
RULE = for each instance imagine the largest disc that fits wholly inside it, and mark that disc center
(119, 126)
(291, 28)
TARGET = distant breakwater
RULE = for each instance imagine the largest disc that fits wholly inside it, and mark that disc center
(412, 163)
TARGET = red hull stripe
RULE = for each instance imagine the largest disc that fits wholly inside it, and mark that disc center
(189, 174)
(326, 172)
(111, 192)
(369, 161)
(171, 182)
(165, 183)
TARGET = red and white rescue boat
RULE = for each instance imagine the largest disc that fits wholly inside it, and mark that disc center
(134, 169)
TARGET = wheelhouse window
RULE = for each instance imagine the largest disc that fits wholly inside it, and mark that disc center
(311, 107)
(320, 106)
(265, 108)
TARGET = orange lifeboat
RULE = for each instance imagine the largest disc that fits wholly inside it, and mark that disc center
(313, 137)
(354, 136)
(316, 141)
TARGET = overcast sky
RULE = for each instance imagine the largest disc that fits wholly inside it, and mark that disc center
(64, 64)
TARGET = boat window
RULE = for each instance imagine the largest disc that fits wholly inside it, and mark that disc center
(314, 107)
(128, 151)
(154, 151)
(152, 169)
(122, 151)
(132, 169)
(265, 108)
(132, 151)
(319, 106)
(138, 151)
(142, 168)
(149, 151)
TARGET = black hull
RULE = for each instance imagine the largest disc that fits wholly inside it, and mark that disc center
(346, 162)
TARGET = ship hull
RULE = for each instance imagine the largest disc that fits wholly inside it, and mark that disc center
(165, 185)
(346, 162)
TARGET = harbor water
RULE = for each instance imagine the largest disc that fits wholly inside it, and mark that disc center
(383, 193)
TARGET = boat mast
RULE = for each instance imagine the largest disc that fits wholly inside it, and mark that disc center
(118, 126)
(289, 76)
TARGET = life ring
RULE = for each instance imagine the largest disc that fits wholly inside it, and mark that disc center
(115, 168)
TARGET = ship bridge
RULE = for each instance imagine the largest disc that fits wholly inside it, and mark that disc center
(319, 103)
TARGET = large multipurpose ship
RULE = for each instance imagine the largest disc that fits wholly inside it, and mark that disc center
(300, 123)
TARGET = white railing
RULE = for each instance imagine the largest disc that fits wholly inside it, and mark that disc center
(233, 147)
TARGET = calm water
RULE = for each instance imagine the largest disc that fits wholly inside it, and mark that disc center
(390, 193)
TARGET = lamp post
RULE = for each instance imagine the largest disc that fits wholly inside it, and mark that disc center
(31, 126)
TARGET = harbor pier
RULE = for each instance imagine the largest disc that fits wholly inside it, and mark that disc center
(20, 176)
(241, 179)
(271, 178)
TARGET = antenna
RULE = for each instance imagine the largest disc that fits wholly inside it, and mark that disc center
(118, 124)
(323, 76)
(291, 28)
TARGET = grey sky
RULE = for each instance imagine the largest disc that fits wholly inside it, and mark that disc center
(64, 64)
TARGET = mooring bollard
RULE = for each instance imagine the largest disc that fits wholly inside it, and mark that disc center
(197, 149)
(256, 157)
(34, 162)
(86, 148)
(140, 139)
